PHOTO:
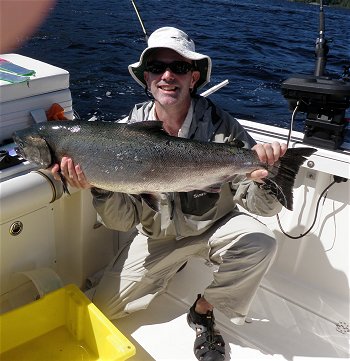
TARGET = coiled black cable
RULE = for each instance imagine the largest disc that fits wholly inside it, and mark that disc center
(336, 180)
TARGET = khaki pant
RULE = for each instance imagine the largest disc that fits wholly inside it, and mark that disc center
(241, 245)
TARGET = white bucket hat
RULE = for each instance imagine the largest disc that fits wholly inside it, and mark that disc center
(177, 40)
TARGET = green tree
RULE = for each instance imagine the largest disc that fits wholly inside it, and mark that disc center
(338, 3)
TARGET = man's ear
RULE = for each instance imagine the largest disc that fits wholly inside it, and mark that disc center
(195, 77)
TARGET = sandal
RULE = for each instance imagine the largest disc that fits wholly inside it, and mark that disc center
(209, 344)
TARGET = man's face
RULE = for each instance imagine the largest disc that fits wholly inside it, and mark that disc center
(169, 87)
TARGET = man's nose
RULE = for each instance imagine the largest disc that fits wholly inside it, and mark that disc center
(168, 73)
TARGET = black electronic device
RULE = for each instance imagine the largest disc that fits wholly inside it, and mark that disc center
(323, 99)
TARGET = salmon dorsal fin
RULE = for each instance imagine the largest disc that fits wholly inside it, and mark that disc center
(154, 126)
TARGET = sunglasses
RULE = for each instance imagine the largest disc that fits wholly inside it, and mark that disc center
(177, 67)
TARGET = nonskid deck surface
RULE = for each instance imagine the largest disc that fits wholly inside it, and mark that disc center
(280, 330)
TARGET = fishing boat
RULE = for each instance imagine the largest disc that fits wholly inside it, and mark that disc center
(301, 310)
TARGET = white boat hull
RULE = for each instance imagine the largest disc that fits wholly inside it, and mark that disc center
(300, 312)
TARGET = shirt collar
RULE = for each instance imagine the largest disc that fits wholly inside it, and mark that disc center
(183, 131)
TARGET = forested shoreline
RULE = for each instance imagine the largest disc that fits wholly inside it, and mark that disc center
(338, 3)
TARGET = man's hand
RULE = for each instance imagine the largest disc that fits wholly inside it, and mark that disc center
(268, 153)
(72, 173)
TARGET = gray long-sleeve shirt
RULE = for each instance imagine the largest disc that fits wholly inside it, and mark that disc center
(190, 213)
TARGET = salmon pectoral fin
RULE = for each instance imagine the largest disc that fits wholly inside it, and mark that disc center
(281, 185)
(64, 183)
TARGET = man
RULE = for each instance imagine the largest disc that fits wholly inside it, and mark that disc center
(190, 224)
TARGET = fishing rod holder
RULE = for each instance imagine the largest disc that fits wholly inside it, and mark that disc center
(324, 100)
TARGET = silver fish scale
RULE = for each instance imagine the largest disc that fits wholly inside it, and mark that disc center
(141, 157)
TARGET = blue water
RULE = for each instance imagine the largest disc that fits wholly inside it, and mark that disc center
(254, 44)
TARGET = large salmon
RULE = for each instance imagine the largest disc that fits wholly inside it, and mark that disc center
(140, 158)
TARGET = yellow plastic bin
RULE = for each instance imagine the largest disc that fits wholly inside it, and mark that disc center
(63, 325)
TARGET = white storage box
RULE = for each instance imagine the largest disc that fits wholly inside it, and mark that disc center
(49, 85)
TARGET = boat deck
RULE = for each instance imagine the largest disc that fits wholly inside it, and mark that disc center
(279, 328)
(301, 310)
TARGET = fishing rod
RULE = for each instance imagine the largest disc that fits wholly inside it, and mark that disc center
(214, 88)
(211, 90)
(140, 20)
(321, 49)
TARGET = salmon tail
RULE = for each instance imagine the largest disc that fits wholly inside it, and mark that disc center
(282, 182)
